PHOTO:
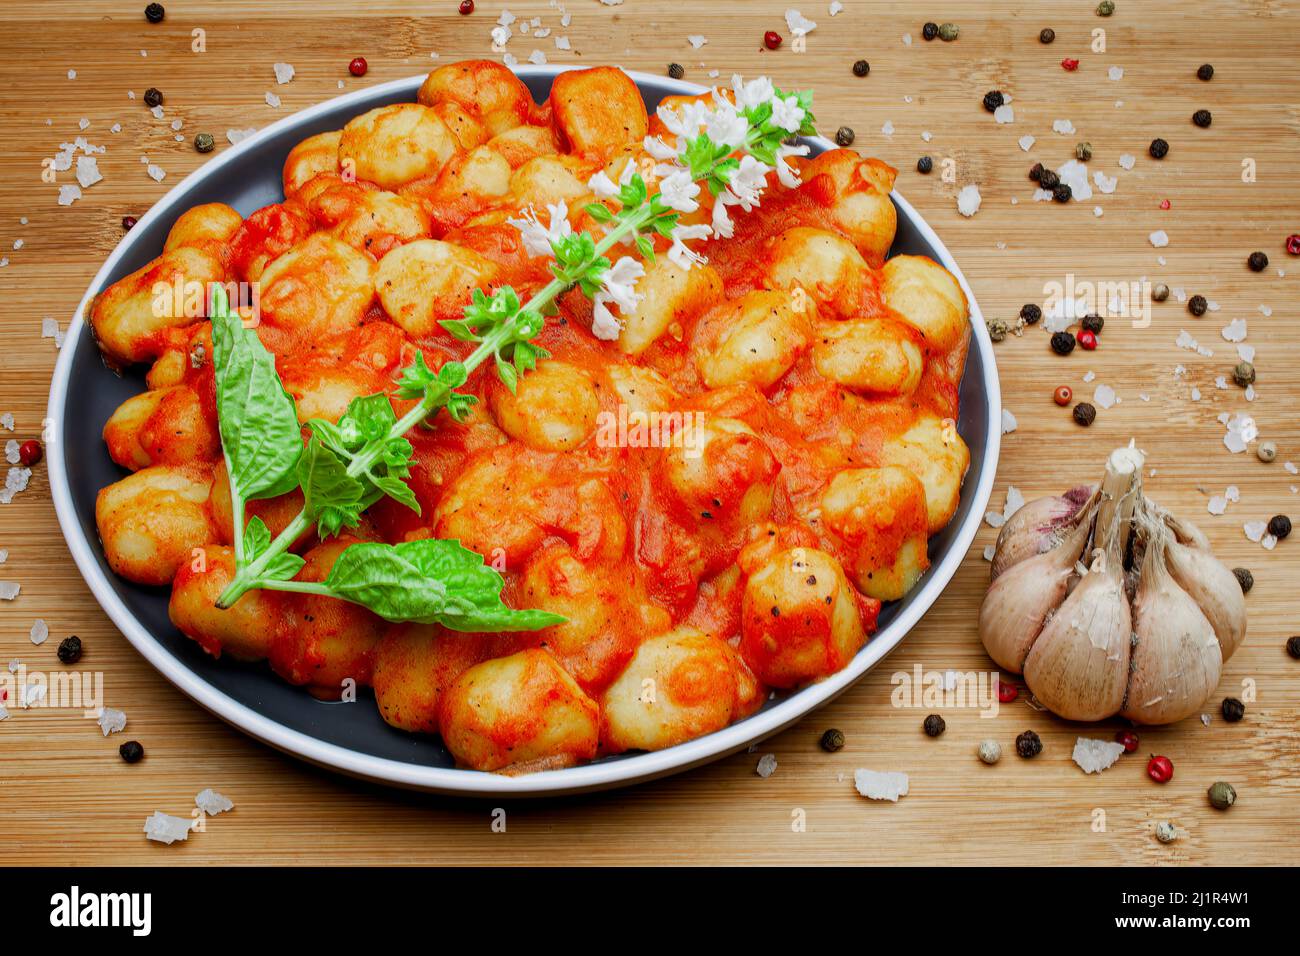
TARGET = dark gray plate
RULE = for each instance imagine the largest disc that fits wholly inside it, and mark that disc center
(353, 738)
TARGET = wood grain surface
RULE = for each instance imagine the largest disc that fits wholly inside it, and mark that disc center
(66, 797)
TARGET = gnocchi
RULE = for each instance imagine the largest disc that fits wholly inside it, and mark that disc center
(716, 500)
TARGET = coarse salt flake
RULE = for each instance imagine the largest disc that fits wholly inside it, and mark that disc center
(798, 23)
(1062, 126)
(697, 40)
(272, 100)
(1159, 238)
(1127, 160)
(1115, 73)
(212, 803)
(766, 765)
(1104, 396)
(88, 171)
(1004, 114)
(111, 720)
(1009, 423)
(40, 631)
(9, 590)
(283, 72)
(1094, 756)
(163, 828)
(968, 200)
(875, 785)
(1235, 331)
(1026, 142)
(156, 172)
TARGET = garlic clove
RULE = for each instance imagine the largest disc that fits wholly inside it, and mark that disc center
(1037, 527)
(1214, 589)
(1185, 532)
(1176, 657)
(1079, 665)
(1019, 601)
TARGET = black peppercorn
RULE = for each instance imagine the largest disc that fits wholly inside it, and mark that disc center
(1245, 579)
(992, 100)
(934, 725)
(1062, 343)
(1093, 323)
(1085, 414)
(861, 68)
(1048, 179)
(1293, 647)
(924, 165)
(1062, 192)
(204, 143)
(1233, 709)
(1257, 261)
(832, 740)
(1036, 172)
(1046, 35)
(1030, 313)
(844, 136)
(930, 31)
(131, 751)
(1197, 305)
(1158, 149)
(154, 13)
(70, 650)
(676, 71)
(153, 97)
(1279, 526)
(1202, 118)
(1205, 72)
(1029, 744)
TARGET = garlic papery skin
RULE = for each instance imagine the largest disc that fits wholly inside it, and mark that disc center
(1214, 589)
(1021, 599)
(1039, 526)
(1176, 657)
(1079, 665)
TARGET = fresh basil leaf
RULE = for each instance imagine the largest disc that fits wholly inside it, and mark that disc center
(259, 426)
(370, 416)
(645, 245)
(378, 577)
(599, 212)
(283, 567)
(416, 378)
(459, 406)
(507, 373)
(396, 489)
(256, 538)
(330, 494)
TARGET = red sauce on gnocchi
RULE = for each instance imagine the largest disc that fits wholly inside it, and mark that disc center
(718, 501)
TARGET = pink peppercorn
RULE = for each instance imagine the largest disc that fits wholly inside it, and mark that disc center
(771, 39)
(1070, 65)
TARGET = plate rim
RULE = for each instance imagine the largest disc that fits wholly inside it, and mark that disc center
(457, 781)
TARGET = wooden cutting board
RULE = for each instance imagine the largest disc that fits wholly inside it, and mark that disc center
(66, 797)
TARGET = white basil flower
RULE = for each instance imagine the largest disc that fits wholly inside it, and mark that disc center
(784, 171)
(748, 180)
(659, 150)
(617, 285)
(753, 93)
(606, 188)
(722, 224)
(787, 113)
(685, 123)
(725, 126)
(678, 191)
(680, 253)
(538, 238)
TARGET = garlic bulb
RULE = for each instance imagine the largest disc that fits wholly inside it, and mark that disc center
(1107, 604)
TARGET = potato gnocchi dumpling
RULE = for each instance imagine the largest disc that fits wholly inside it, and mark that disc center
(716, 499)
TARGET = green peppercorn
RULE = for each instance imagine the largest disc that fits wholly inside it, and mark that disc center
(204, 143)
(992, 100)
(153, 97)
(1029, 744)
(1257, 261)
(1202, 118)
(1084, 414)
(1093, 323)
(1046, 35)
(1293, 647)
(997, 329)
(1222, 795)
(1160, 292)
(1062, 343)
(131, 751)
(1205, 72)
(1105, 8)
(1083, 152)
(1165, 832)
(1245, 579)
(1030, 313)
(861, 68)
(832, 740)
(949, 32)
(1197, 305)
(1243, 373)
(924, 165)
(1158, 149)
(676, 71)
(844, 136)
(1233, 709)
(1279, 526)
(990, 751)
(934, 725)
(930, 31)
(1062, 192)
(69, 651)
